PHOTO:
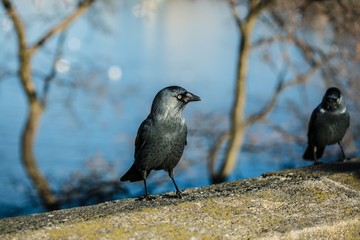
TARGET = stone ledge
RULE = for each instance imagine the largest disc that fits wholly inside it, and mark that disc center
(316, 202)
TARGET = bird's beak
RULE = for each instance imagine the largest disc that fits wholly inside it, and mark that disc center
(189, 97)
(331, 102)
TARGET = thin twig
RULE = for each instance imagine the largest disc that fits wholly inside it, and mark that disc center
(82, 7)
(271, 103)
(52, 73)
(214, 151)
(235, 14)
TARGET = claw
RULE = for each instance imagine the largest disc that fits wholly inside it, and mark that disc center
(146, 197)
(178, 194)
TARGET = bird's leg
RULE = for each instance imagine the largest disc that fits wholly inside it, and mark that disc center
(146, 195)
(178, 192)
(316, 161)
(342, 151)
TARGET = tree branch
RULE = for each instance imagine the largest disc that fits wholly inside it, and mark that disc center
(24, 55)
(52, 73)
(257, 6)
(19, 26)
(294, 138)
(282, 85)
(235, 14)
(82, 7)
(315, 57)
(214, 151)
(271, 103)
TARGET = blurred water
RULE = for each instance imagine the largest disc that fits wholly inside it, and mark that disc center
(188, 43)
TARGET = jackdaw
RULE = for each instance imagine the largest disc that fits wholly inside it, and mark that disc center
(328, 124)
(161, 137)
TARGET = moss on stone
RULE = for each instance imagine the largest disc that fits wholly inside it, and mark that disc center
(352, 180)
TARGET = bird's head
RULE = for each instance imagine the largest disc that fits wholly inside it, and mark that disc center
(173, 98)
(332, 99)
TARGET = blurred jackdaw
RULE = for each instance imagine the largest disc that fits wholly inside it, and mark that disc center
(161, 137)
(328, 124)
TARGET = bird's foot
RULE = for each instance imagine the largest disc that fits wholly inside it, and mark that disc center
(344, 159)
(146, 197)
(317, 163)
(178, 195)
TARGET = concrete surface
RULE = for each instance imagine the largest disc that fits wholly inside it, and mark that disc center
(316, 202)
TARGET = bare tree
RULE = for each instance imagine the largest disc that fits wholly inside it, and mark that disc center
(238, 123)
(36, 102)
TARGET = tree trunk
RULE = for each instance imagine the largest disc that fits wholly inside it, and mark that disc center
(238, 125)
(27, 141)
(36, 104)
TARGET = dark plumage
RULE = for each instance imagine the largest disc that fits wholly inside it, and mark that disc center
(161, 137)
(328, 124)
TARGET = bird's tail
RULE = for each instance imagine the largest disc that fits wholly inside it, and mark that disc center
(132, 175)
(309, 153)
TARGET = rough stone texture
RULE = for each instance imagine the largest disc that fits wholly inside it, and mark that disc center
(316, 202)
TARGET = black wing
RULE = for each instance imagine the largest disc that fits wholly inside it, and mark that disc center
(133, 174)
(142, 135)
(313, 118)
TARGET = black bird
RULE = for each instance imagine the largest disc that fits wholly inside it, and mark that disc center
(161, 137)
(328, 124)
